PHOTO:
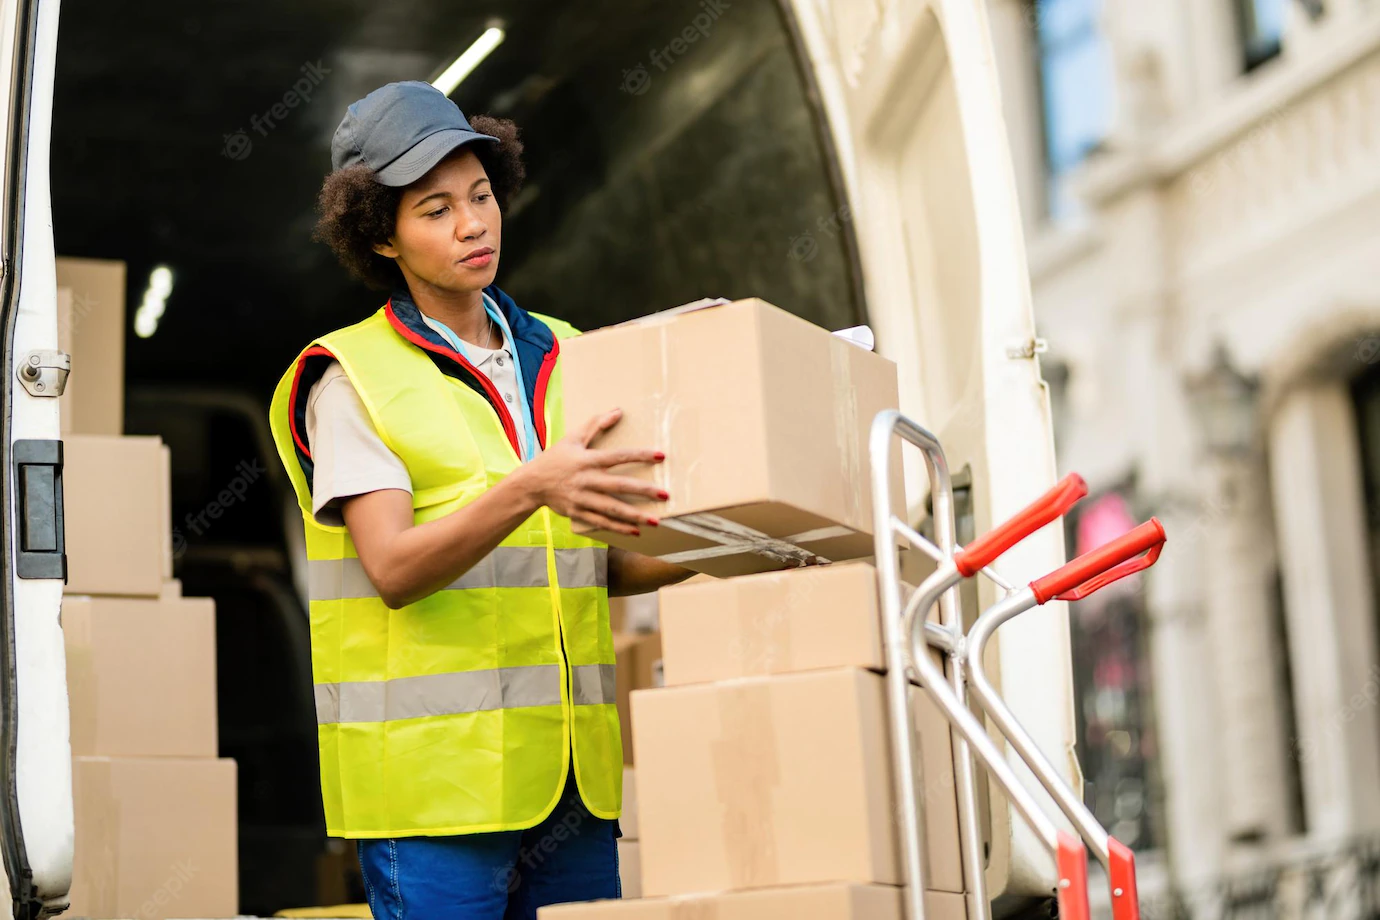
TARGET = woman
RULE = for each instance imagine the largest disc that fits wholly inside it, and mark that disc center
(461, 651)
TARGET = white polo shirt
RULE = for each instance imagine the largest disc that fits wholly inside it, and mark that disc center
(348, 456)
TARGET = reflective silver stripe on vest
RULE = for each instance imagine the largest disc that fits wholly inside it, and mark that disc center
(592, 684)
(505, 567)
(460, 692)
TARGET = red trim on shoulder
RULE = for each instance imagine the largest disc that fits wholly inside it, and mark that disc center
(504, 417)
(548, 364)
(312, 352)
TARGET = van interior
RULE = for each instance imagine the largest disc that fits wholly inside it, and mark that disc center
(674, 151)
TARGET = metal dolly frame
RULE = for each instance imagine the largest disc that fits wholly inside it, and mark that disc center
(909, 636)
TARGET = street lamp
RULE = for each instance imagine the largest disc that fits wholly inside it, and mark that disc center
(1224, 405)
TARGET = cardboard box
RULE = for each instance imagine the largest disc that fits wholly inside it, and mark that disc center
(116, 501)
(647, 662)
(155, 838)
(638, 660)
(772, 623)
(630, 868)
(939, 794)
(807, 902)
(627, 823)
(764, 419)
(765, 781)
(141, 676)
(635, 613)
(91, 328)
(803, 620)
(165, 519)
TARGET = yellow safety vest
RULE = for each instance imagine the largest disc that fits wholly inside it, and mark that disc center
(459, 713)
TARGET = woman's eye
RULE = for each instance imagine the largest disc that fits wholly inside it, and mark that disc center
(438, 212)
(483, 196)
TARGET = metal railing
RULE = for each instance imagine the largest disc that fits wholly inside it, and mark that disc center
(1340, 882)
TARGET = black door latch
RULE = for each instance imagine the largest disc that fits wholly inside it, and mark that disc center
(38, 479)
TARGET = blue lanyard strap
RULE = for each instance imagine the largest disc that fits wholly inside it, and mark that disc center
(529, 439)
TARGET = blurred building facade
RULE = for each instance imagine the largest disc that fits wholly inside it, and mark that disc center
(1200, 181)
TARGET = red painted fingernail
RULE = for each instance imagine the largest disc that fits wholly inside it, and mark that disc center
(654, 522)
(658, 456)
(637, 532)
(663, 495)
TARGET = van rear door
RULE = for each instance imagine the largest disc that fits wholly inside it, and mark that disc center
(909, 93)
(35, 756)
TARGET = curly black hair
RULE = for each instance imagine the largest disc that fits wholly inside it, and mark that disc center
(357, 213)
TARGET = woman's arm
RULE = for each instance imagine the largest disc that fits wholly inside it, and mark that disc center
(634, 573)
(407, 562)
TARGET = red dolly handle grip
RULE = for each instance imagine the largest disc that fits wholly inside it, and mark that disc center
(1098, 568)
(1072, 862)
(1125, 900)
(1047, 507)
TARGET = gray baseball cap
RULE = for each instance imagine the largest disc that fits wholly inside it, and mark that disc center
(400, 131)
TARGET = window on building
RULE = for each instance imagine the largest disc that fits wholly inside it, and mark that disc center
(1262, 29)
(1076, 77)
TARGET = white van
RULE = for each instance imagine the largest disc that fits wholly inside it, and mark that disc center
(919, 219)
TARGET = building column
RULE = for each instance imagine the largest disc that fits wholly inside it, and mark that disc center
(1185, 712)
(1320, 507)
(1239, 579)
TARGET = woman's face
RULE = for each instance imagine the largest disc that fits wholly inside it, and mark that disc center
(448, 227)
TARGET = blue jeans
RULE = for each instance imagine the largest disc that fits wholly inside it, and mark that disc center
(507, 875)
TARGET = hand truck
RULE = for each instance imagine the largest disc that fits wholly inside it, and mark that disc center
(909, 635)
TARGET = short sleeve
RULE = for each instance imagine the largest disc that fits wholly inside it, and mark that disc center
(348, 456)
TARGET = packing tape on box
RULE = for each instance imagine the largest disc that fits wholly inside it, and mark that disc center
(666, 396)
(745, 777)
(846, 430)
(733, 538)
(764, 627)
(96, 867)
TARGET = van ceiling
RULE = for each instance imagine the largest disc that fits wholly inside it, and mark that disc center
(708, 179)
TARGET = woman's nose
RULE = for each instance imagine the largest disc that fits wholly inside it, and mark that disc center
(470, 226)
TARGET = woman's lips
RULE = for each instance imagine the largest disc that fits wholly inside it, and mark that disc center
(479, 259)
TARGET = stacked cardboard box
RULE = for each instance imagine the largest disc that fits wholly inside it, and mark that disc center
(806, 902)
(629, 845)
(155, 807)
(91, 328)
(638, 656)
(764, 779)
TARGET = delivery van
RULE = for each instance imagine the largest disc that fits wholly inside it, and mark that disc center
(845, 160)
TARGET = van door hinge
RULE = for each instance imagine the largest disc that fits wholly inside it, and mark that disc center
(1027, 348)
(44, 373)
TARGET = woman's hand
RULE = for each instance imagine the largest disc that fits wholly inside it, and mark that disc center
(573, 480)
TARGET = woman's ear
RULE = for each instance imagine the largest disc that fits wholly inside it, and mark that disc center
(387, 250)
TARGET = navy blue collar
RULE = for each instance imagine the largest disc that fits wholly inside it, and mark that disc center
(527, 329)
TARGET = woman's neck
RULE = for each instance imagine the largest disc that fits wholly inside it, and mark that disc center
(463, 312)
